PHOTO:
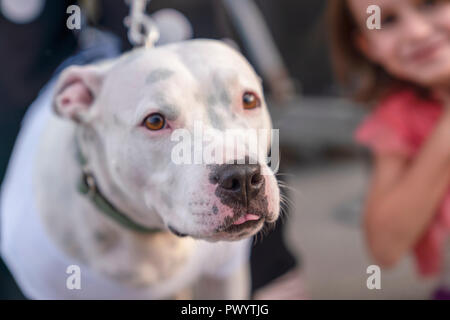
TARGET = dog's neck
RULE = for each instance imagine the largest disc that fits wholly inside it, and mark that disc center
(84, 233)
(109, 198)
(87, 186)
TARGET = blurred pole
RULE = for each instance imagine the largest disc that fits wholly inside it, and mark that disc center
(259, 44)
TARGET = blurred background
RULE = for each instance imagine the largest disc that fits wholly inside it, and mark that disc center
(286, 41)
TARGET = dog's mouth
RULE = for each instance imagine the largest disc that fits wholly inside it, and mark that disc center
(251, 224)
(246, 218)
(244, 222)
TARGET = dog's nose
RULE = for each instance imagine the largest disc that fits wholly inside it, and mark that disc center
(242, 182)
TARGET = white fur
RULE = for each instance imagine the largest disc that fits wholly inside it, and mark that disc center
(133, 168)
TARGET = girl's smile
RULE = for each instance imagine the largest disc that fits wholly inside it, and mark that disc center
(427, 52)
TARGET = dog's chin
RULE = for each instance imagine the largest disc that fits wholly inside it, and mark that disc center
(235, 232)
(241, 227)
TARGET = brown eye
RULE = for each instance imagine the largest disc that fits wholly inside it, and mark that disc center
(389, 19)
(250, 101)
(155, 122)
(428, 3)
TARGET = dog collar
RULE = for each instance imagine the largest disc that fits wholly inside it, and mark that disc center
(88, 186)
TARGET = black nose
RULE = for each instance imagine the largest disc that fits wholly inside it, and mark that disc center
(240, 182)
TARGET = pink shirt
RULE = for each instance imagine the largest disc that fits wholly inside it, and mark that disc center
(401, 124)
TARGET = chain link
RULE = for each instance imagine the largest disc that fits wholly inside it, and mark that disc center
(142, 29)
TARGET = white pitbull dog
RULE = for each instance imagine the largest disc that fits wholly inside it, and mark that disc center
(142, 226)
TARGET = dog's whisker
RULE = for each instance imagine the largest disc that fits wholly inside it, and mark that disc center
(255, 239)
(283, 215)
(288, 202)
(280, 174)
(290, 188)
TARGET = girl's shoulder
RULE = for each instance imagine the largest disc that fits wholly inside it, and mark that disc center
(400, 122)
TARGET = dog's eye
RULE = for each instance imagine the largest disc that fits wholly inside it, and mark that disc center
(155, 122)
(250, 101)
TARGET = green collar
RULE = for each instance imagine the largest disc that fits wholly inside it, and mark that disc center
(88, 186)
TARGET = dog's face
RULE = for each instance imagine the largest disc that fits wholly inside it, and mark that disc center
(135, 115)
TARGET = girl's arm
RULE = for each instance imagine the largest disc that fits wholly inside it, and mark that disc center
(405, 196)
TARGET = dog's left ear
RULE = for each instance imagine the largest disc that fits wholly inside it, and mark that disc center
(76, 92)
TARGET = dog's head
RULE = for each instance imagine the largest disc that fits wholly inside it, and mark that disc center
(139, 114)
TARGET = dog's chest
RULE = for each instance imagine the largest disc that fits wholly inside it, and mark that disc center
(141, 261)
(165, 266)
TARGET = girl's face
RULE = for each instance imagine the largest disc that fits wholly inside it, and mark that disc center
(413, 43)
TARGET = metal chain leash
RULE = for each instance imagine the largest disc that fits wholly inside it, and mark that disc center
(142, 29)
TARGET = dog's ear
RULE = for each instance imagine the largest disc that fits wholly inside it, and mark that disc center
(76, 92)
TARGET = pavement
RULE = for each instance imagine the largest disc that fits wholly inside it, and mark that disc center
(325, 229)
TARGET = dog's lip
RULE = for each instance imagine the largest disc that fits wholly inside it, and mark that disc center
(245, 218)
(248, 221)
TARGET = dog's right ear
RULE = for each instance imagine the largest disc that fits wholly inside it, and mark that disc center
(76, 92)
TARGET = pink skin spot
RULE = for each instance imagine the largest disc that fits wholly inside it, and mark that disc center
(247, 217)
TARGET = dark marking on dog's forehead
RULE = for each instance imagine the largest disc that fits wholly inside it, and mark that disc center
(167, 107)
(171, 111)
(216, 120)
(219, 93)
(218, 99)
(160, 74)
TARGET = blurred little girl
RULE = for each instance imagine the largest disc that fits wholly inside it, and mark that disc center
(403, 69)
